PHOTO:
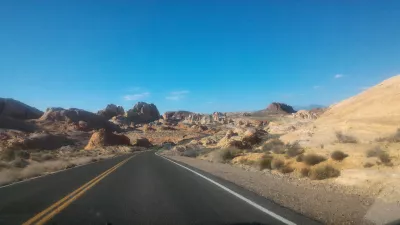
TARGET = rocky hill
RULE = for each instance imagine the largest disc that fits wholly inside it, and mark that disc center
(18, 110)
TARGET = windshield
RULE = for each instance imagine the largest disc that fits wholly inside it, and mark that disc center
(199, 112)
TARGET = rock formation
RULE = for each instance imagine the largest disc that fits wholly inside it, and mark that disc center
(74, 116)
(143, 113)
(18, 110)
(111, 110)
(104, 138)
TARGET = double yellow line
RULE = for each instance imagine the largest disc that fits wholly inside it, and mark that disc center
(50, 212)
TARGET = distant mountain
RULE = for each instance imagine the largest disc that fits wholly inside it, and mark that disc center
(308, 107)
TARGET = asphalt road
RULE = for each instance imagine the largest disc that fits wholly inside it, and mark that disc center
(144, 189)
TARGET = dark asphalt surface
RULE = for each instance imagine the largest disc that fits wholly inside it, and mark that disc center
(146, 190)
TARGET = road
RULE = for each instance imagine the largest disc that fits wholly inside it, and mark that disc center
(139, 189)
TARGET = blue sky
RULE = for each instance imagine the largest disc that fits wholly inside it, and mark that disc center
(200, 56)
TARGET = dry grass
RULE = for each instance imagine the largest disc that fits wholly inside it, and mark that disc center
(277, 164)
(299, 158)
(342, 138)
(294, 149)
(286, 169)
(313, 159)
(274, 145)
(374, 152)
(304, 171)
(395, 138)
(190, 153)
(323, 172)
(228, 154)
(338, 155)
(265, 162)
(384, 157)
(368, 165)
(7, 155)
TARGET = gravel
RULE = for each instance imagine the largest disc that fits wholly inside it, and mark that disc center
(323, 201)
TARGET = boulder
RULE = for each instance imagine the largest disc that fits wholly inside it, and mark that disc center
(104, 138)
(18, 110)
(93, 121)
(111, 110)
(143, 113)
(251, 137)
(142, 142)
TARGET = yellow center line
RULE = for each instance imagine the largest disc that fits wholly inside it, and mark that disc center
(64, 202)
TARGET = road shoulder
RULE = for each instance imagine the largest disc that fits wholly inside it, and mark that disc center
(318, 202)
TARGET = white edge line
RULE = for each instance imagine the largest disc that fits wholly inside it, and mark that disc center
(241, 197)
(51, 173)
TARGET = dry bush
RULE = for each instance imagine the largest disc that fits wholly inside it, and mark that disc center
(19, 163)
(299, 158)
(190, 153)
(323, 172)
(304, 171)
(374, 152)
(265, 162)
(342, 138)
(384, 157)
(245, 161)
(313, 159)
(368, 165)
(274, 145)
(395, 138)
(286, 169)
(7, 155)
(294, 149)
(23, 154)
(228, 154)
(276, 164)
(338, 155)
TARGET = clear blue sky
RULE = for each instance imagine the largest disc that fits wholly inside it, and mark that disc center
(201, 56)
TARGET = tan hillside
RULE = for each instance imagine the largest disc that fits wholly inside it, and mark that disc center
(368, 115)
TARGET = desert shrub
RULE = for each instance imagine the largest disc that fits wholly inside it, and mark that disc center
(393, 139)
(384, 157)
(228, 154)
(294, 149)
(338, 155)
(313, 159)
(190, 153)
(245, 161)
(274, 145)
(368, 165)
(299, 158)
(304, 171)
(265, 162)
(286, 169)
(19, 163)
(374, 152)
(342, 138)
(7, 155)
(323, 172)
(276, 164)
(23, 154)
